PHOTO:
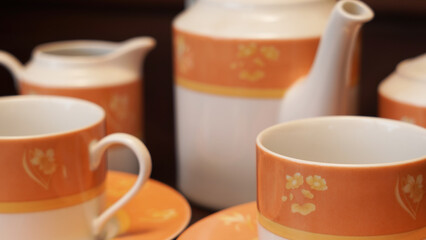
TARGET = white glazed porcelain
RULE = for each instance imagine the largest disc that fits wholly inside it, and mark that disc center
(215, 133)
(264, 234)
(106, 73)
(79, 63)
(68, 223)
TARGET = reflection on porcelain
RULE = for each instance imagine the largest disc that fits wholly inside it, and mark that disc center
(106, 73)
(238, 71)
(402, 94)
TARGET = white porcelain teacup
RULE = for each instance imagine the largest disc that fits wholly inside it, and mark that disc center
(341, 178)
(52, 174)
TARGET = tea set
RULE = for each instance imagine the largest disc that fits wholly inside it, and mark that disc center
(257, 94)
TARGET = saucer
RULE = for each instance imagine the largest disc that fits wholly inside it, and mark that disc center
(157, 212)
(235, 223)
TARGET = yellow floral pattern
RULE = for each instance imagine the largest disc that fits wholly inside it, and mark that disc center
(251, 76)
(40, 165)
(183, 55)
(239, 222)
(409, 192)
(252, 58)
(308, 194)
(303, 209)
(317, 183)
(408, 120)
(45, 161)
(161, 214)
(270, 52)
(296, 181)
(414, 187)
(118, 104)
(246, 50)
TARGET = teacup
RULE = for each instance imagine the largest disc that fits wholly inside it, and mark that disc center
(53, 171)
(341, 178)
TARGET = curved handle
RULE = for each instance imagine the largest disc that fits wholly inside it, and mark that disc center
(12, 63)
(97, 149)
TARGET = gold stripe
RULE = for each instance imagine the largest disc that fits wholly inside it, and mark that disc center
(230, 91)
(44, 205)
(295, 234)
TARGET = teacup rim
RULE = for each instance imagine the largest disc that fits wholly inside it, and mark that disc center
(55, 98)
(338, 165)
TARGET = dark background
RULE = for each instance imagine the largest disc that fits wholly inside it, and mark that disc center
(397, 32)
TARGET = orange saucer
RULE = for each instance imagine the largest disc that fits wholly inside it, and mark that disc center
(235, 223)
(157, 212)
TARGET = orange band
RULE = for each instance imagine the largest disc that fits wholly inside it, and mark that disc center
(390, 108)
(50, 204)
(256, 68)
(291, 233)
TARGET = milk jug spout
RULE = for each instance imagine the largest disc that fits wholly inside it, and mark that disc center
(132, 52)
(322, 92)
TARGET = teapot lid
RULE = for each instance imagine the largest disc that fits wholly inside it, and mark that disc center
(414, 68)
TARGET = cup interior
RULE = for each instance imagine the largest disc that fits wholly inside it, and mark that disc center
(346, 140)
(22, 116)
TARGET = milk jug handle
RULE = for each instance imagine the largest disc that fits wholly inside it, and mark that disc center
(11, 63)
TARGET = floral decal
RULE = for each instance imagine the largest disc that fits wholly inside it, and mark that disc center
(45, 161)
(293, 186)
(41, 165)
(408, 120)
(239, 222)
(183, 55)
(303, 209)
(161, 214)
(270, 53)
(409, 193)
(252, 58)
(307, 194)
(294, 182)
(317, 183)
(118, 104)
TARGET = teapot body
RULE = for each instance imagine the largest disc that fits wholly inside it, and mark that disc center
(234, 61)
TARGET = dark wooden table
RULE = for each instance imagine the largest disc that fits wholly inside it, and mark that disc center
(397, 32)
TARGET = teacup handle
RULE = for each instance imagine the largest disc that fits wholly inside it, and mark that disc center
(144, 158)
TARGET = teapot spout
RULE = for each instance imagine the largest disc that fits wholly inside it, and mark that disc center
(323, 90)
(132, 52)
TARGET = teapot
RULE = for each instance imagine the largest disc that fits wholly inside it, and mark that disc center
(106, 73)
(244, 65)
(402, 94)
